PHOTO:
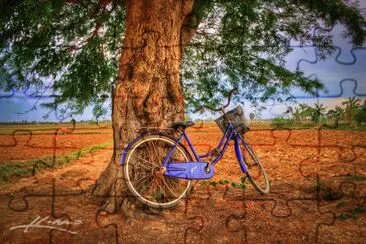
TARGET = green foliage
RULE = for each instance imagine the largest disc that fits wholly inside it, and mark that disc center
(335, 115)
(281, 122)
(241, 185)
(73, 47)
(317, 113)
(243, 44)
(348, 113)
(356, 177)
(354, 213)
(360, 114)
(352, 105)
(224, 182)
(99, 111)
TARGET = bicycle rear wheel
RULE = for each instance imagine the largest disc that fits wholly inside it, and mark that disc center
(255, 170)
(144, 172)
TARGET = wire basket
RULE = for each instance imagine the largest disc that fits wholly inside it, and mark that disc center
(238, 119)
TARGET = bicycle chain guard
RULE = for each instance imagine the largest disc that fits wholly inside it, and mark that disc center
(189, 170)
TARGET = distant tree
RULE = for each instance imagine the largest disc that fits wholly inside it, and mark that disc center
(289, 110)
(341, 113)
(251, 117)
(336, 115)
(295, 113)
(98, 112)
(360, 115)
(305, 111)
(318, 112)
(351, 107)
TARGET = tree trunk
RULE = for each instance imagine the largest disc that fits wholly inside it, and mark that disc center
(149, 91)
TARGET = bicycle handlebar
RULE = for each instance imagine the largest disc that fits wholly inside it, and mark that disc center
(233, 91)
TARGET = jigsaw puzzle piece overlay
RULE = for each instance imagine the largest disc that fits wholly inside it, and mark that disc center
(35, 217)
(218, 213)
(342, 72)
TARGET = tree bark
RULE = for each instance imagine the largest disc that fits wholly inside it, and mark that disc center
(149, 91)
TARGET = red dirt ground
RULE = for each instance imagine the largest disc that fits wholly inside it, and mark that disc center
(25, 145)
(317, 194)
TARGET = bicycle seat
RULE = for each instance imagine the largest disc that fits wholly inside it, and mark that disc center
(181, 125)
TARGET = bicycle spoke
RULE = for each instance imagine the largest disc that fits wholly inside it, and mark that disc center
(141, 179)
(163, 191)
(156, 152)
(166, 184)
(173, 182)
(153, 185)
(147, 162)
(146, 186)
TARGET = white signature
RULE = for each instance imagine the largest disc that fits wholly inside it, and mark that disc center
(45, 223)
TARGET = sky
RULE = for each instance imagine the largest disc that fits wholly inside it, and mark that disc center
(343, 74)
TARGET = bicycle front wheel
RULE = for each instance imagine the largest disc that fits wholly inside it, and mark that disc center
(144, 171)
(255, 170)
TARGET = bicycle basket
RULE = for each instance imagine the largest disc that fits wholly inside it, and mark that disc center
(238, 119)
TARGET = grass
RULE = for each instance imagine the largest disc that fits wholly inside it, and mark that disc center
(241, 185)
(354, 213)
(282, 123)
(11, 170)
(356, 177)
(350, 127)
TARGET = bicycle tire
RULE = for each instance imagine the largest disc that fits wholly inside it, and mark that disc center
(262, 188)
(159, 200)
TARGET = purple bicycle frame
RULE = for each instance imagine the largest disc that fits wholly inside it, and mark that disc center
(198, 169)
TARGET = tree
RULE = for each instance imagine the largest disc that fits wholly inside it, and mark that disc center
(335, 115)
(318, 113)
(99, 111)
(340, 111)
(305, 111)
(295, 113)
(251, 117)
(132, 53)
(351, 107)
(360, 115)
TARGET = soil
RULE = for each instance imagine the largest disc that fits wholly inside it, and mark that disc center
(24, 145)
(317, 194)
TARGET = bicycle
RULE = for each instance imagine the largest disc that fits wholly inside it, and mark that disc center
(159, 169)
